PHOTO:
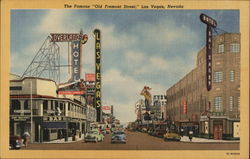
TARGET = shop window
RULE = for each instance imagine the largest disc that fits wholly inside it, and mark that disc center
(234, 48)
(220, 48)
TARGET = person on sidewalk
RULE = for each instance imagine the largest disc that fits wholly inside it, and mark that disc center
(26, 136)
(190, 135)
(182, 132)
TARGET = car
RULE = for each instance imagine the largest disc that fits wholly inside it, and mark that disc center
(159, 132)
(118, 137)
(172, 135)
(15, 142)
(94, 136)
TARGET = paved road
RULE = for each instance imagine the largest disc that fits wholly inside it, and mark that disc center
(136, 141)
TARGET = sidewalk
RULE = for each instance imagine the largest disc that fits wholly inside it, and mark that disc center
(63, 140)
(202, 140)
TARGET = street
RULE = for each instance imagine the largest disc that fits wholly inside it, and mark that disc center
(135, 141)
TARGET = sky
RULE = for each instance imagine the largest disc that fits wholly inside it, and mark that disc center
(139, 47)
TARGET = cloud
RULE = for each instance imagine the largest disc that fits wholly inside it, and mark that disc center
(123, 92)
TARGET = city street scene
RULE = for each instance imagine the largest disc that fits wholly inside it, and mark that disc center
(124, 80)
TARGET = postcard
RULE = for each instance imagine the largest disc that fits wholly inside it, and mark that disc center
(127, 79)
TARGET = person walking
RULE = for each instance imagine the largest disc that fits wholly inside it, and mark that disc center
(26, 136)
(190, 135)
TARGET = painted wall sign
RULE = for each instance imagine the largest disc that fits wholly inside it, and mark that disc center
(74, 88)
(184, 102)
(98, 73)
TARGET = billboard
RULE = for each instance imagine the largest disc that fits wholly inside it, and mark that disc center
(73, 88)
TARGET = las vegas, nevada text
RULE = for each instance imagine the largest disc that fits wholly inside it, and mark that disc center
(101, 6)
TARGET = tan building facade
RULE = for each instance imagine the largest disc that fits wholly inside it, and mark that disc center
(37, 108)
(215, 113)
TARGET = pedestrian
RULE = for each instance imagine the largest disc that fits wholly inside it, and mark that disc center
(190, 134)
(26, 136)
(182, 132)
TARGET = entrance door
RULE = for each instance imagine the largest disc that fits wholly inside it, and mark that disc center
(218, 132)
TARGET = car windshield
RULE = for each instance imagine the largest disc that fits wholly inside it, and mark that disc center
(118, 133)
(93, 132)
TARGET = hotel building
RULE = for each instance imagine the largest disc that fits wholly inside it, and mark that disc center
(215, 113)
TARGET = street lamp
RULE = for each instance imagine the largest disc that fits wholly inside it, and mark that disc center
(31, 113)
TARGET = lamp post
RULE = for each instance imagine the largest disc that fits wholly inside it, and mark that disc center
(31, 114)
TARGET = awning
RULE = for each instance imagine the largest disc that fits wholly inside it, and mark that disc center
(61, 125)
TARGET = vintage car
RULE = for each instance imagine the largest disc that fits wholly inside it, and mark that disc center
(15, 142)
(172, 135)
(94, 136)
(118, 137)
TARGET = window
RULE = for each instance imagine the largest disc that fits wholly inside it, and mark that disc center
(231, 76)
(218, 76)
(238, 103)
(221, 48)
(234, 48)
(231, 103)
(218, 104)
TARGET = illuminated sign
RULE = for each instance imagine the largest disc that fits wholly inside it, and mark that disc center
(106, 107)
(62, 37)
(209, 58)
(184, 106)
(98, 73)
(90, 77)
(75, 60)
(208, 20)
(210, 23)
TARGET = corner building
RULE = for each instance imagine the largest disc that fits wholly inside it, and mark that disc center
(215, 113)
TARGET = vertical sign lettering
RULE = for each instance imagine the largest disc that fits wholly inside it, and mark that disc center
(209, 58)
(98, 74)
(210, 23)
(76, 47)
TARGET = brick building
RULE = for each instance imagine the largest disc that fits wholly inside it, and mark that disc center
(215, 113)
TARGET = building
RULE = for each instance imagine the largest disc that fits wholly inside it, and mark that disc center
(140, 109)
(36, 107)
(159, 102)
(215, 113)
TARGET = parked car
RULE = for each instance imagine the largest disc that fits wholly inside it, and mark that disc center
(15, 142)
(94, 136)
(159, 132)
(172, 135)
(150, 131)
(118, 137)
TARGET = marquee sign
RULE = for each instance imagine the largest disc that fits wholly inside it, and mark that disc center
(98, 73)
(211, 23)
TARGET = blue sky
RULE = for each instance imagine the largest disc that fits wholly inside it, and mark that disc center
(139, 47)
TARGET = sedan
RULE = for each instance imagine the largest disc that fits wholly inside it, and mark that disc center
(118, 137)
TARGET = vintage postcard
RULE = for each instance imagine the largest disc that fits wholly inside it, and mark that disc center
(124, 79)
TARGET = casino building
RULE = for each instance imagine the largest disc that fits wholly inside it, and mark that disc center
(215, 113)
(36, 107)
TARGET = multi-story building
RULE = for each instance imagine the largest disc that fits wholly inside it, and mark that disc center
(159, 102)
(140, 108)
(215, 113)
(36, 107)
